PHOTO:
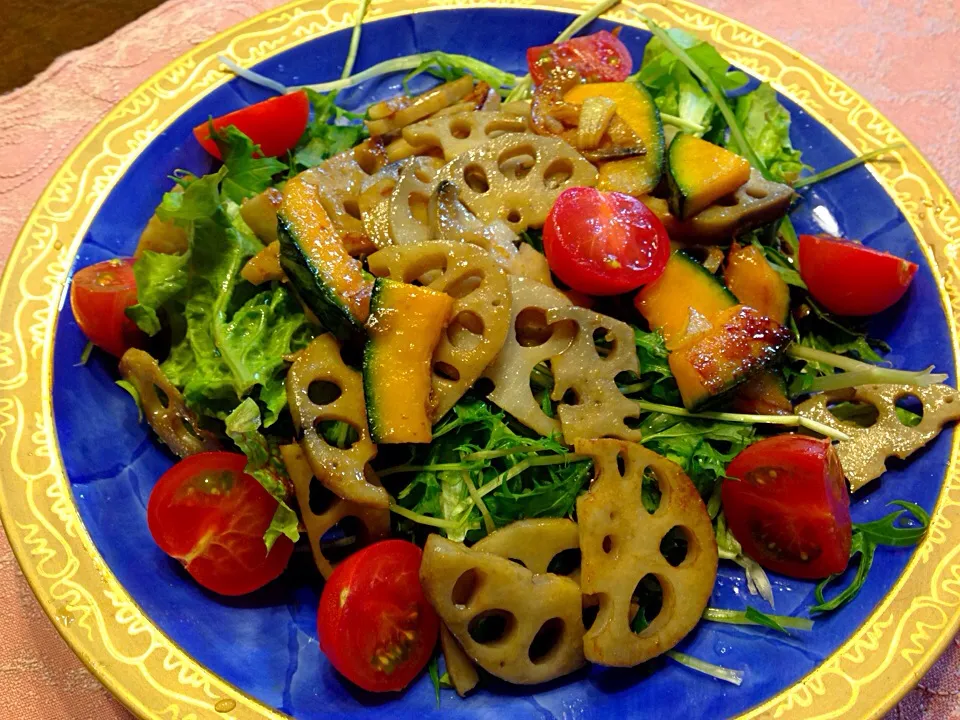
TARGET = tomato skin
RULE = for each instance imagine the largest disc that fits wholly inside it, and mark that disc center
(786, 503)
(850, 279)
(275, 124)
(211, 516)
(604, 243)
(373, 607)
(99, 294)
(599, 57)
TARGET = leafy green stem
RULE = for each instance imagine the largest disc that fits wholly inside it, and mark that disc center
(735, 677)
(355, 39)
(682, 123)
(752, 616)
(860, 373)
(846, 165)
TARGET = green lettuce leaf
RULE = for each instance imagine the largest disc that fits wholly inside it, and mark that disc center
(247, 175)
(331, 131)
(194, 199)
(160, 278)
(766, 126)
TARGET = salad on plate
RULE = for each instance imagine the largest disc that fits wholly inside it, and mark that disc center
(520, 360)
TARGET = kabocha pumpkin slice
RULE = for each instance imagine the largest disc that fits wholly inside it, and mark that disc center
(700, 173)
(264, 267)
(172, 420)
(479, 316)
(541, 545)
(588, 371)
(405, 325)
(863, 457)
(321, 510)
(620, 545)
(517, 177)
(636, 108)
(459, 132)
(343, 471)
(763, 394)
(521, 627)
(685, 289)
(755, 283)
(530, 341)
(741, 343)
(330, 282)
(463, 673)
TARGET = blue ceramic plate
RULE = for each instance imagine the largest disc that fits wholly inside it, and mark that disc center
(265, 644)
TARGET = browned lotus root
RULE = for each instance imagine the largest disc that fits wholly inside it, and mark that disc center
(460, 668)
(409, 217)
(396, 113)
(374, 203)
(530, 341)
(620, 544)
(480, 318)
(452, 221)
(534, 543)
(863, 457)
(516, 177)
(600, 408)
(338, 181)
(320, 511)
(170, 418)
(757, 201)
(457, 133)
(540, 615)
(342, 471)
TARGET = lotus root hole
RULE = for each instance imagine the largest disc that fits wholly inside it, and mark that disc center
(677, 545)
(465, 588)
(730, 200)
(446, 371)
(591, 608)
(465, 331)
(531, 327)
(651, 492)
(558, 172)
(858, 412)
(911, 404)
(570, 397)
(419, 204)
(464, 285)
(323, 392)
(547, 640)
(343, 539)
(492, 627)
(337, 433)
(321, 497)
(601, 344)
(566, 562)
(461, 129)
(645, 603)
(476, 178)
(757, 193)
(608, 544)
(516, 163)
(514, 216)
(351, 208)
(622, 463)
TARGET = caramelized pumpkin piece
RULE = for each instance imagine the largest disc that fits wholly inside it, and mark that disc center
(405, 325)
(321, 510)
(343, 471)
(755, 283)
(264, 267)
(620, 544)
(700, 173)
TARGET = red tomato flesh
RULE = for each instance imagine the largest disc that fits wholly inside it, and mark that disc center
(786, 503)
(604, 243)
(275, 124)
(99, 294)
(374, 624)
(599, 57)
(211, 516)
(850, 279)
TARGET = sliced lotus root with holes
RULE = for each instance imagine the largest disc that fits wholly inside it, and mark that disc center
(531, 625)
(338, 181)
(458, 133)
(517, 177)
(463, 673)
(530, 341)
(453, 222)
(599, 408)
(344, 471)
(480, 318)
(374, 203)
(321, 510)
(864, 456)
(620, 545)
(535, 543)
(409, 218)
(175, 423)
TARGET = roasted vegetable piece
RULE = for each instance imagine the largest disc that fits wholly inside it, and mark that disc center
(536, 544)
(410, 221)
(636, 108)
(763, 394)
(264, 266)
(457, 133)
(405, 325)
(699, 173)
(620, 544)
(756, 202)
(162, 236)
(321, 510)
(741, 343)
(452, 221)
(863, 457)
(172, 420)
(755, 283)
(685, 293)
(260, 214)
(463, 673)
(343, 471)
(388, 116)
(479, 318)
(589, 371)
(530, 341)
(520, 627)
(330, 282)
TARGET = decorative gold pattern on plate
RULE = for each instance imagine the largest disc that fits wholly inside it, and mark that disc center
(156, 679)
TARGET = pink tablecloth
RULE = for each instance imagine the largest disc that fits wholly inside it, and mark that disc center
(901, 54)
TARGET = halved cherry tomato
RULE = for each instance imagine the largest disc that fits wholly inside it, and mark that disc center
(600, 57)
(850, 279)
(786, 503)
(99, 294)
(374, 624)
(275, 124)
(604, 243)
(210, 515)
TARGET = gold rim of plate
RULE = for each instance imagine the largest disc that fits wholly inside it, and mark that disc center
(143, 667)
